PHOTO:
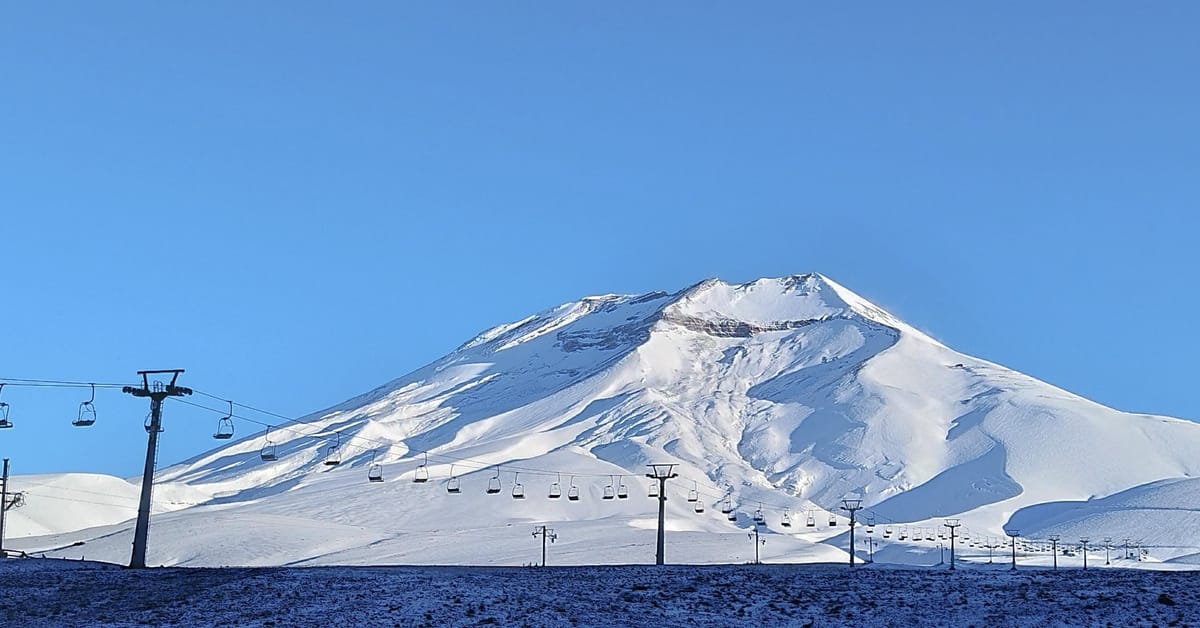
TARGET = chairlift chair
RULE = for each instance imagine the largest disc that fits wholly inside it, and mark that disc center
(786, 520)
(421, 475)
(622, 490)
(694, 494)
(556, 488)
(333, 455)
(225, 426)
(375, 471)
(573, 491)
(452, 484)
(731, 515)
(4, 422)
(832, 520)
(268, 451)
(759, 517)
(493, 486)
(699, 508)
(518, 491)
(727, 505)
(87, 411)
(609, 491)
(653, 489)
(811, 521)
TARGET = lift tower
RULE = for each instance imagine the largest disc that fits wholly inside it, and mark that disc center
(156, 392)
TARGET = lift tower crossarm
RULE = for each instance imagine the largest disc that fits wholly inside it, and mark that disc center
(156, 393)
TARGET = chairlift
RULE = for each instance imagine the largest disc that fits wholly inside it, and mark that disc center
(556, 488)
(4, 422)
(727, 505)
(333, 455)
(609, 491)
(904, 534)
(225, 426)
(887, 532)
(786, 520)
(731, 515)
(147, 423)
(694, 494)
(573, 491)
(653, 489)
(452, 484)
(87, 411)
(494, 483)
(268, 450)
(421, 475)
(811, 521)
(832, 520)
(759, 517)
(622, 490)
(375, 471)
(518, 491)
(929, 534)
(699, 508)
(871, 525)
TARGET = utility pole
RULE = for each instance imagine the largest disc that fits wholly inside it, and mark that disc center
(545, 533)
(156, 393)
(1014, 534)
(952, 524)
(1054, 549)
(662, 473)
(3, 506)
(757, 542)
(1084, 542)
(1107, 549)
(852, 506)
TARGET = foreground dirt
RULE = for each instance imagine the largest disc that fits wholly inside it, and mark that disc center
(61, 593)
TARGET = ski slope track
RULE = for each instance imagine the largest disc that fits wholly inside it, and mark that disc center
(784, 394)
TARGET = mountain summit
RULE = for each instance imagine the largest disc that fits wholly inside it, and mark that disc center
(777, 397)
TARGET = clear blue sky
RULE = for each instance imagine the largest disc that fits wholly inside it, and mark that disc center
(300, 201)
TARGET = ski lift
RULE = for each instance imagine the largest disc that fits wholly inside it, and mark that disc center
(871, 525)
(832, 520)
(333, 455)
(694, 494)
(518, 491)
(494, 483)
(811, 522)
(421, 475)
(452, 484)
(622, 490)
(887, 532)
(727, 505)
(573, 492)
(225, 426)
(268, 450)
(904, 534)
(929, 534)
(759, 517)
(375, 471)
(556, 488)
(149, 420)
(699, 507)
(4, 422)
(731, 515)
(87, 411)
(609, 492)
(653, 489)
(786, 521)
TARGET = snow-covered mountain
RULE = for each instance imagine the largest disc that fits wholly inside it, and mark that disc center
(782, 395)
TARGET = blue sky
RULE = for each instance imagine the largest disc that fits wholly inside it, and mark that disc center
(299, 201)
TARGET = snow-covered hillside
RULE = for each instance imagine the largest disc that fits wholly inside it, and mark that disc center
(781, 395)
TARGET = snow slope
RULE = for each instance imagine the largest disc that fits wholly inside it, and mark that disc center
(785, 394)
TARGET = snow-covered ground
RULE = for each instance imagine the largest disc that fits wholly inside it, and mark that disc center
(779, 395)
(65, 593)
